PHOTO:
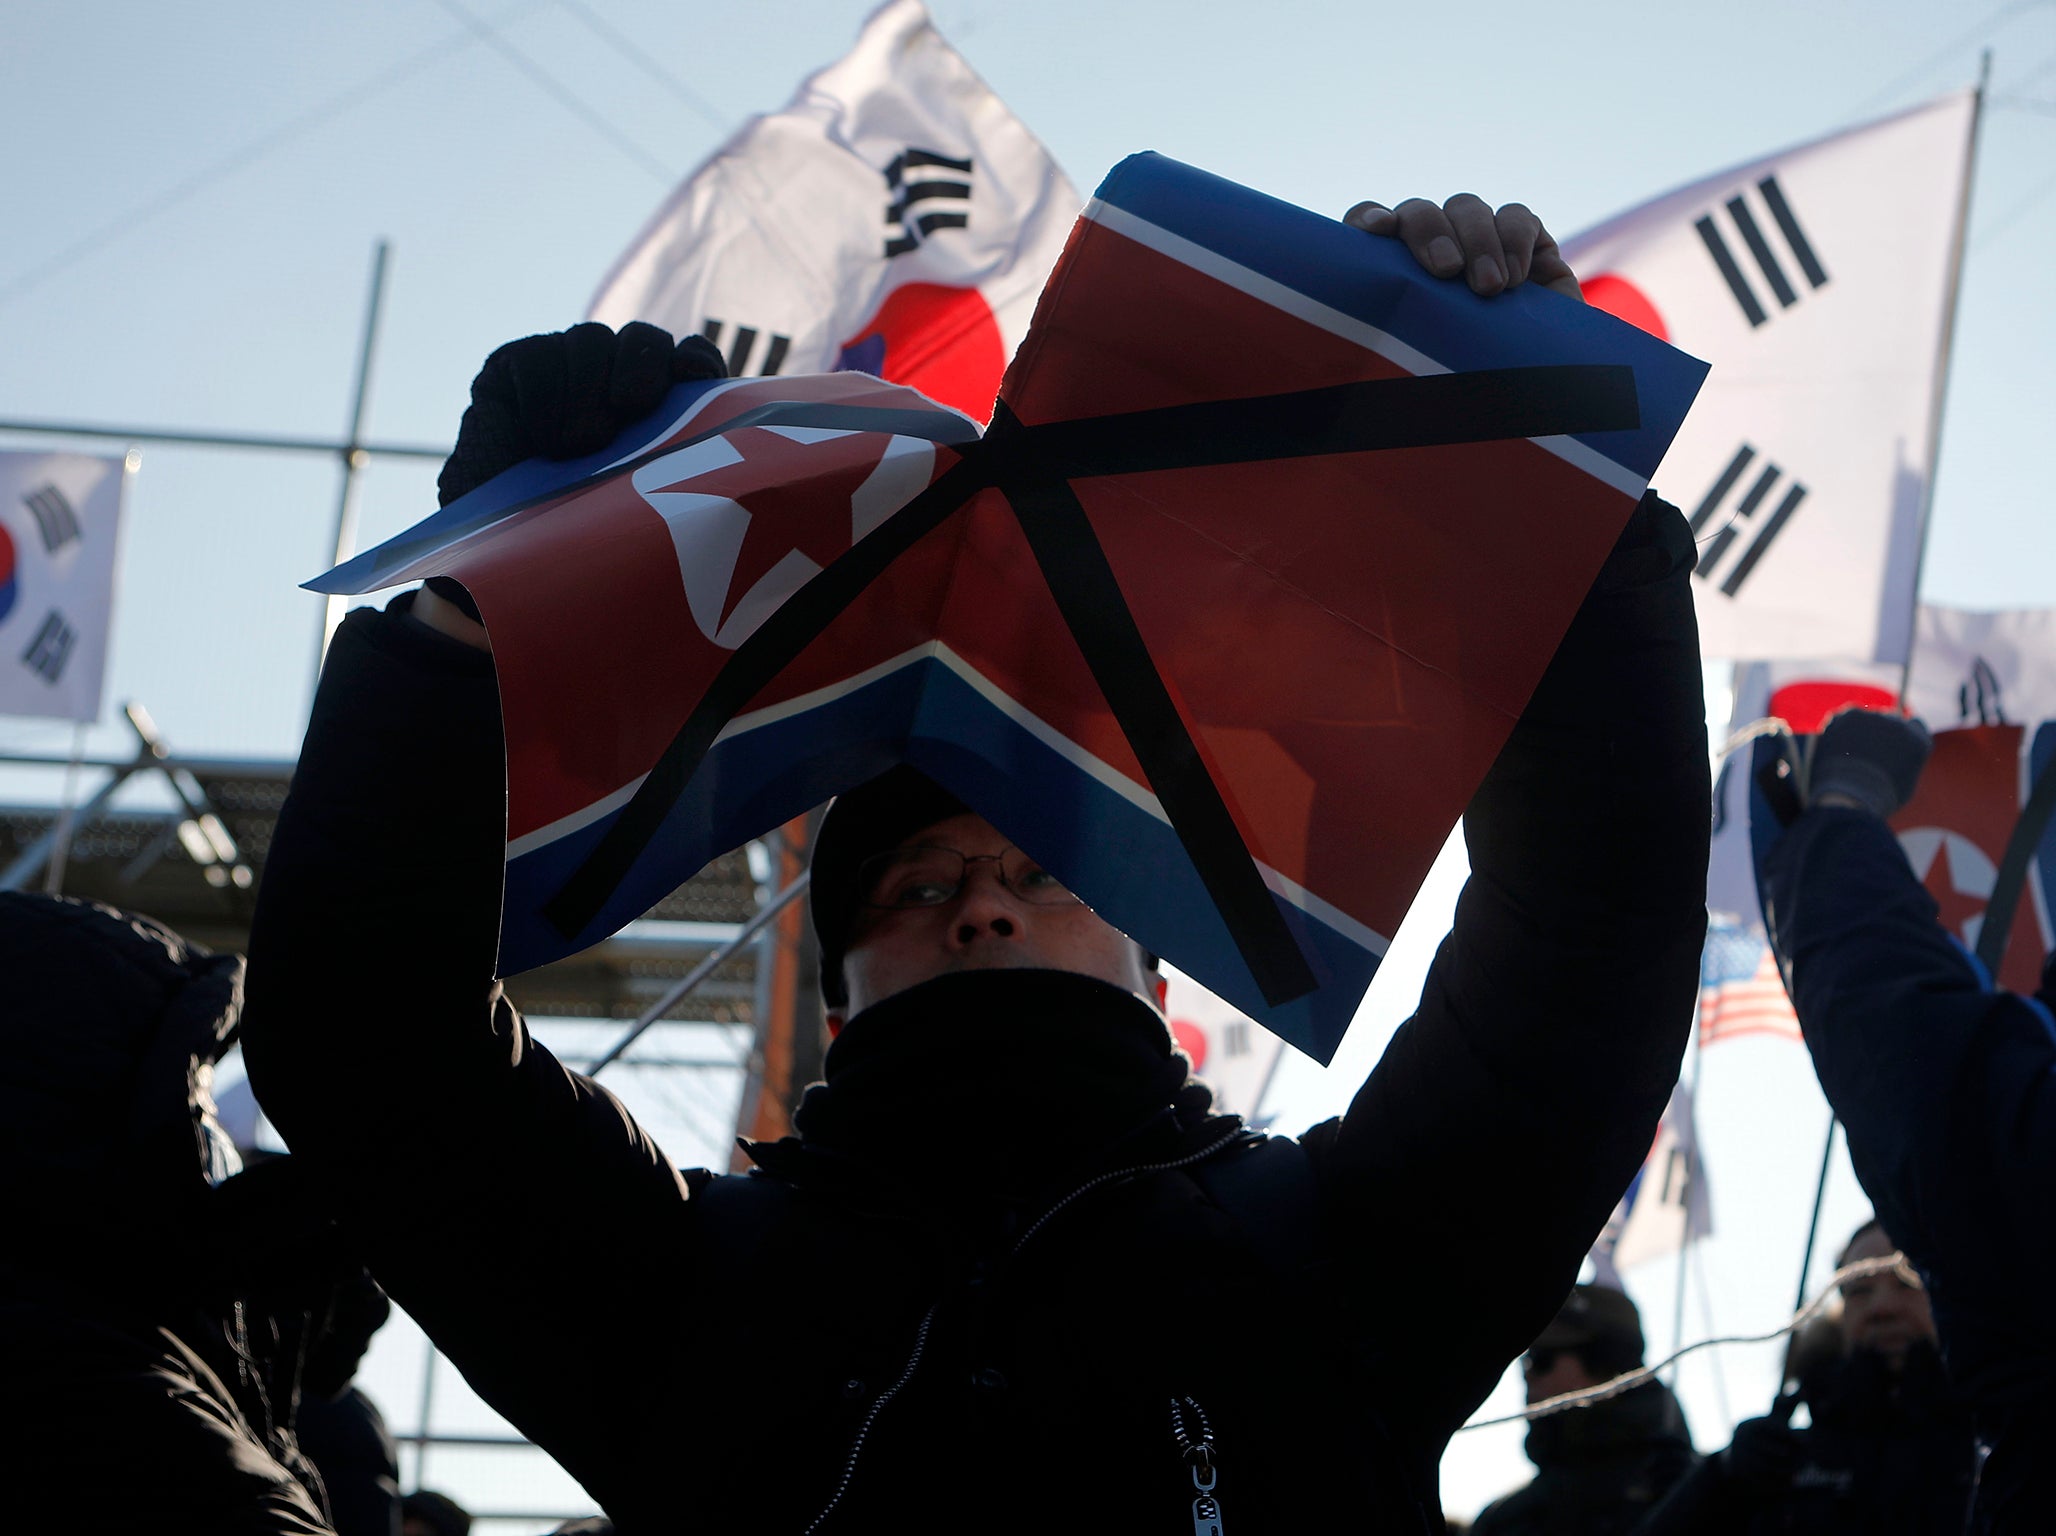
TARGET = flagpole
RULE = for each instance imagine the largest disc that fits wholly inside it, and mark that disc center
(352, 451)
(60, 846)
(1820, 1191)
(1691, 1198)
(1943, 358)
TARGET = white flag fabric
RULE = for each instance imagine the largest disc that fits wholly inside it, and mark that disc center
(1233, 1055)
(1667, 1204)
(895, 218)
(60, 526)
(1972, 667)
(1804, 464)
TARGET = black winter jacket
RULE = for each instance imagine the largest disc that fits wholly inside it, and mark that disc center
(1882, 1456)
(1948, 1090)
(973, 1340)
(149, 1392)
(1599, 1470)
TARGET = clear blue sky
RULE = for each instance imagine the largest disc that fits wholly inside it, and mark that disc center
(192, 196)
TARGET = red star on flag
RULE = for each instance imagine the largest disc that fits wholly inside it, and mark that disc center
(798, 495)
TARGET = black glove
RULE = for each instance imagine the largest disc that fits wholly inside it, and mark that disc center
(566, 394)
(1764, 1454)
(1875, 759)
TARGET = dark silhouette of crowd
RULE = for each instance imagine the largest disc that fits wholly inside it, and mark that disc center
(1887, 1445)
(1044, 1288)
(1598, 1470)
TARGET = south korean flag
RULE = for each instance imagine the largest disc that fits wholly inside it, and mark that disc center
(1804, 466)
(60, 521)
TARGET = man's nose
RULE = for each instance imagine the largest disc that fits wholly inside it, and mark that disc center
(984, 906)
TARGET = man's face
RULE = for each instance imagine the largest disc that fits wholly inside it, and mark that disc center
(1882, 1313)
(984, 926)
(1549, 1372)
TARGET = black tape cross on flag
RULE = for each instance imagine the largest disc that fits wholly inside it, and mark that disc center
(1034, 467)
(1224, 618)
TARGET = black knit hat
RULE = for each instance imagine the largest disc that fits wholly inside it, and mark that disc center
(1600, 1323)
(869, 819)
(110, 1025)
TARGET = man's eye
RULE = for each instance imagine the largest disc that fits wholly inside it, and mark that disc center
(921, 893)
(1032, 879)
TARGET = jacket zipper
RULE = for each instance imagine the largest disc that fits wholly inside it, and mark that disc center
(849, 1466)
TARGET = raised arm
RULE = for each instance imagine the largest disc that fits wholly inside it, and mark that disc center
(1476, 1166)
(1947, 1089)
(464, 1157)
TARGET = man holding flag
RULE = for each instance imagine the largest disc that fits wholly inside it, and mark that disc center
(1010, 1272)
(1947, 1087)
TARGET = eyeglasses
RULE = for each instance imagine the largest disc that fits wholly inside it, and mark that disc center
(922, 876)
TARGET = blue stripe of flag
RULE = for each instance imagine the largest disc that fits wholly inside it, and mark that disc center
(1377, 282)
(1126, 863)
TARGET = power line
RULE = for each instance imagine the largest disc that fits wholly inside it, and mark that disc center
(2034, 75)
(2013, 215)
(562, 94)
(240, 158)
(603, 29)
(1886, 94)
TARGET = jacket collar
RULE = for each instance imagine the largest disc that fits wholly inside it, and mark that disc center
(993, 1085)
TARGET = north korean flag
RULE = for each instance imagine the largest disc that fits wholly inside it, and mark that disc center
(1222, 620)
(1956, 830)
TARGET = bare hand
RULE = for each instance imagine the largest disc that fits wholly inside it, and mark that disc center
(1494, 251)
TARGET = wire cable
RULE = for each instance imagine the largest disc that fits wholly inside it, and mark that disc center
(561, 93)
(1889, 92)
(2012, 216)
(241, 157)
(1586, 1397)
(607, 33)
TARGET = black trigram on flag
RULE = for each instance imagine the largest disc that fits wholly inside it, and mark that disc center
(55, 520)
(51, 648)
(743, 345)
(1978, 696)
(1746, 224)
(1743, 520)
(918, 180)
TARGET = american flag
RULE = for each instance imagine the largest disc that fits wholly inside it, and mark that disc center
(1740, 991)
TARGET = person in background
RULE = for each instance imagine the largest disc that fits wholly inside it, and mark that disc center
(425, 1512)
(1598, 1470)
(1888, 1447)
(340, 1429)
(154, 1302)
(1947, 1085)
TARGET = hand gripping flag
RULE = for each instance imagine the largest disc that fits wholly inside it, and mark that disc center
(1806, 465)
(1222, 620)
(1978, 832)
(895, 217)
